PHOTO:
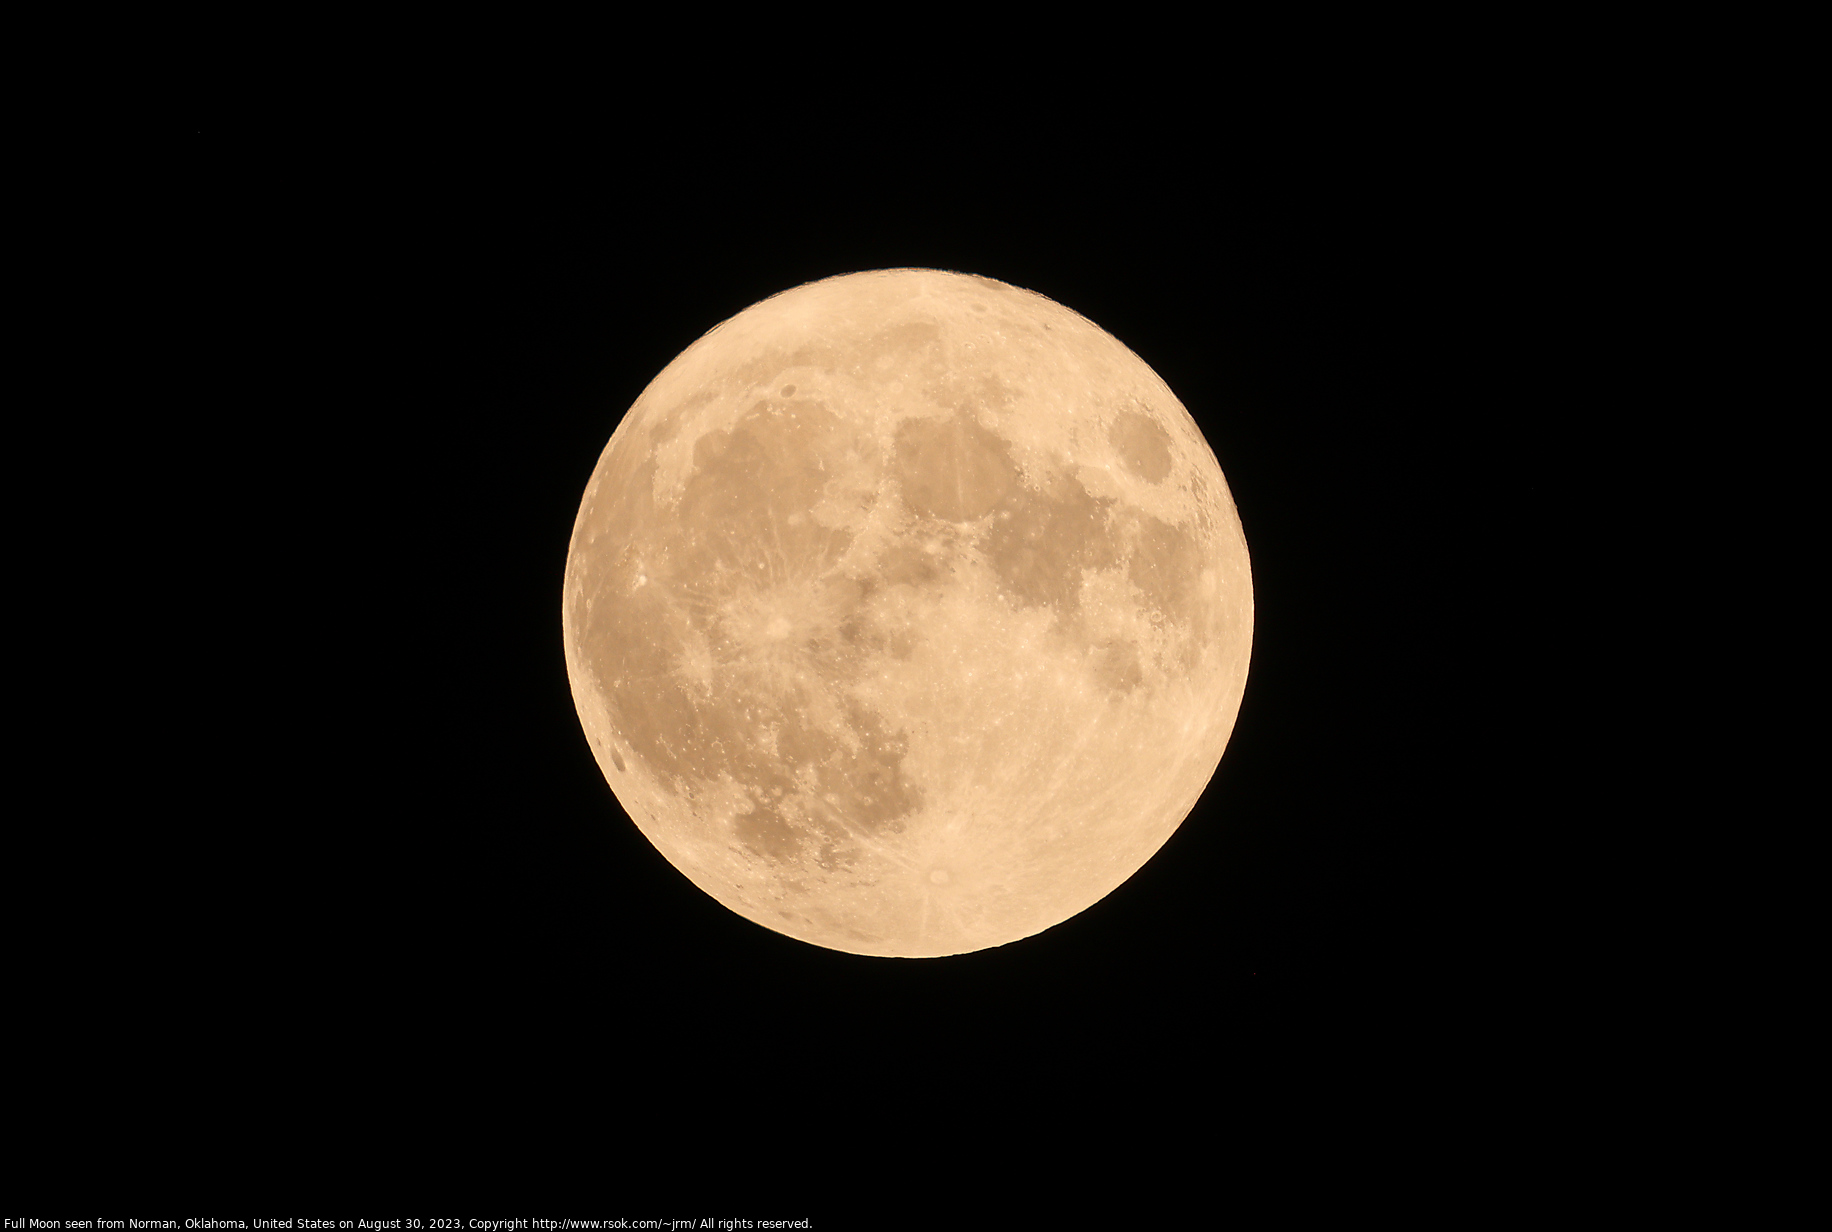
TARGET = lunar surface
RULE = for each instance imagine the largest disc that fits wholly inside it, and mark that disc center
(907, 613)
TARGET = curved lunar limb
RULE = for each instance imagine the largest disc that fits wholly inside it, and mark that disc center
(907, 613)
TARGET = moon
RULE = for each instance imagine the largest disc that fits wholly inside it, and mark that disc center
(907, 613)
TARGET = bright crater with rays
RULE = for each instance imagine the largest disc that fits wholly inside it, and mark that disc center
(907, 613)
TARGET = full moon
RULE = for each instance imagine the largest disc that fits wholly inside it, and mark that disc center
(907, 613)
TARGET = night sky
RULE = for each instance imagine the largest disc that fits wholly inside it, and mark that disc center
(392, 860)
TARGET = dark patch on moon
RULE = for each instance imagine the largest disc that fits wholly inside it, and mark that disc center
(905, 564)
(696, 703)
(753, 485)
(952, 468)
(1041, 541)
(818, 790)
(1116, 666)
(766, 832)
(1166, 564)
(1143, 445)
(666, 425)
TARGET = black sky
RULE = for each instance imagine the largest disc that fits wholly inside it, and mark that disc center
(397, 860)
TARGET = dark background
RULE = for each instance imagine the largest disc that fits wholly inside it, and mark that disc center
(376, 855)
